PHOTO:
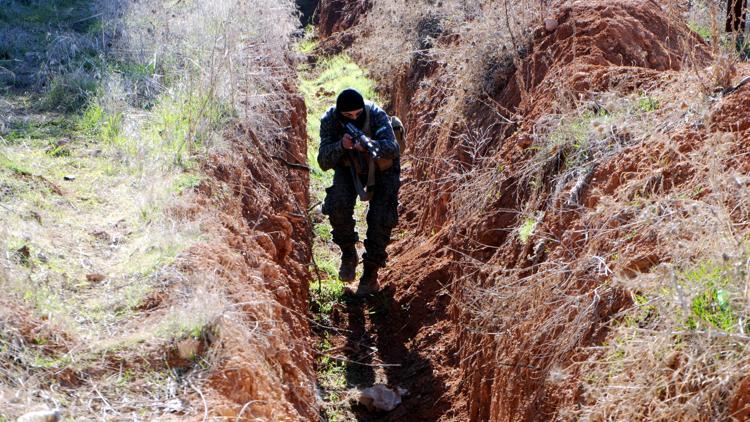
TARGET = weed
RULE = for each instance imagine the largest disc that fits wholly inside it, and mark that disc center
(47, 130)
(647, 104)
(526, 229)
(69, 93)
(308, 43)
(711, 304)
(182, 123)
(186, 181)
(323, 231)
(14, 167)
(703, 31)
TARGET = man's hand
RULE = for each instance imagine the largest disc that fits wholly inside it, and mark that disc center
(359, 147)
(347, 141)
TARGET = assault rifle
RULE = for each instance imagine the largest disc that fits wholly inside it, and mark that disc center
(372, 148)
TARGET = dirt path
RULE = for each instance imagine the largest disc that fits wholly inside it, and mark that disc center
(356, 346)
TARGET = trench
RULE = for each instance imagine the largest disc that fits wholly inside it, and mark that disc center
(350, 332)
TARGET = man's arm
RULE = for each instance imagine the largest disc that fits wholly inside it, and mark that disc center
(331, 151)
(383, 134)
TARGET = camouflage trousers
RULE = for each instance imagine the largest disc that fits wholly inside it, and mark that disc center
(382, 214)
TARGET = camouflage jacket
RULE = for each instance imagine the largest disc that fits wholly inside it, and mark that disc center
(332, 130)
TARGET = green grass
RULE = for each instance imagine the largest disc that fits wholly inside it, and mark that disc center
(712, 304)
(34, 130)
(646, 311)
(330, 294)
(186, 181)
(526, 229)
(63, 13)
(333, 75)
(69, 92)
(13, 166)
(307, 46)
(323, 231)
(648, 104)
(703, 31)
(184, 122)
(100, 196)
(308, 43)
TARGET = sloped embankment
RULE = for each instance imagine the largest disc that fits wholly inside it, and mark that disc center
(260, 246)
(556, 220)
(222, 331)
(155, 240)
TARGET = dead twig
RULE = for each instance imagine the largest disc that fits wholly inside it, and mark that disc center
(203, 398)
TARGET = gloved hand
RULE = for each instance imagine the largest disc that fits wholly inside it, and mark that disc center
(349, 143)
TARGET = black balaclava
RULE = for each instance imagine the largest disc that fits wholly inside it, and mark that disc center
(349, 100)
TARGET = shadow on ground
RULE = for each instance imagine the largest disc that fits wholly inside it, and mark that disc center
(377, 352)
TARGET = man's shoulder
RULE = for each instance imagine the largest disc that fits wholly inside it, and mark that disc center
(330, 114)
(375, 110)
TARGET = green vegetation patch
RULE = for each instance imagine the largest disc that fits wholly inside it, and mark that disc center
(308, 42)
(526, 229)
(183, 123)
(711, 305)
(69, 92)
(703, 31)
(13, 166)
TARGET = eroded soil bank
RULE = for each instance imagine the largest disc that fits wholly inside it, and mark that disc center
(155, 239)
(554, 220)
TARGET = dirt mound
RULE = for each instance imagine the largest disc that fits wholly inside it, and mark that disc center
(260, 246)
(595, 47)
(603, 46)
(336, 16)
(336, 22)
(505, 278)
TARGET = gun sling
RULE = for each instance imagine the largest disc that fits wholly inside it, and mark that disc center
(364, 192)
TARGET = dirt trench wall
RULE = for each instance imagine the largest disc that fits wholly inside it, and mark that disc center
(336, 16)
(253, 210)
(507, 366)
(512, 374)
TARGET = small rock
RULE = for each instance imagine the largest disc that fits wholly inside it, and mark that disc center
(95, 277)
(317, 214)
(550, 24)
(43, 258)
(380, 397)
(41, 416)
(188, 349)
(174, 406)
(69, 177)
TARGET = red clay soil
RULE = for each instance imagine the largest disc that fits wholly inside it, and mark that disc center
(252, 209)
(339, 15)
(254, 203)
(335, 18)
(459, 362)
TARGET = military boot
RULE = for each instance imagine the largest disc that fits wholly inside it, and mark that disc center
(349, 261)
(368, 283)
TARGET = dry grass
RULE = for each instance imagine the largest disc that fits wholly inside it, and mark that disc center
(678, 352)
(675, 346)
(141, 93)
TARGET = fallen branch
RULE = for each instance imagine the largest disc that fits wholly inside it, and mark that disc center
(205, 406)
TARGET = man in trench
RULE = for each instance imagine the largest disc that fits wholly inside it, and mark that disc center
(378, 171)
